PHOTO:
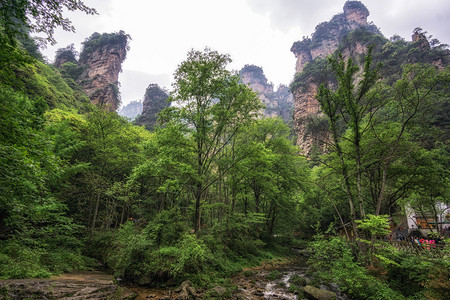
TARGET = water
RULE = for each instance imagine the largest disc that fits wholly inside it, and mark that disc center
(275, 290)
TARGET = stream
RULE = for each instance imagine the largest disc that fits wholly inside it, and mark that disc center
(252, 283)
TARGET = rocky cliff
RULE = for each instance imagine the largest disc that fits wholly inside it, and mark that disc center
(97, 70)
(155, 100)
(324, 41)
(277, 103)
(350, 34)
(328, 35)
(65, 55)
(131, 110)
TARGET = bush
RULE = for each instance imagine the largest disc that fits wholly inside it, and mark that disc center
(193, 258)
(19, 261)
(297, 280)
(274, 275)
(409, 274)
(333, 261)
(167, 228)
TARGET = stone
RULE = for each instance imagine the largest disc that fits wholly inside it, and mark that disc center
(323, 42)
(279, 103)
(314, 293)
(218, 291)
(100, 79)
(155, 100)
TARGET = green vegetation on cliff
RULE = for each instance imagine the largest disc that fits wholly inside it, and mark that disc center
(97, 41)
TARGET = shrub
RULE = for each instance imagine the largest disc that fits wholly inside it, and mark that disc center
(274, 275)
(333, 261)
(297, 280)
(193, 257)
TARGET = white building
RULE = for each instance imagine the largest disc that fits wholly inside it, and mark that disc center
(426, 222)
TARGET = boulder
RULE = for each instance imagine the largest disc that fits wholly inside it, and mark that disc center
(313, 293)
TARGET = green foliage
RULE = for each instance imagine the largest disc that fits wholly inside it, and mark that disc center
(333, 261)
(297, 280)
(374, 226)
(40, 259)
(409, 275)
(97, 41)
(274, 275)
(67, 54)
(193, 258)
(70, 70)
(36, 79)
(17, 16)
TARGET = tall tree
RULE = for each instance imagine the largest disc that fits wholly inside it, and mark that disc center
(214, 105)
(346, 107)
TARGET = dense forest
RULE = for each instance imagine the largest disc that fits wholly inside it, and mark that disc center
(212, 187)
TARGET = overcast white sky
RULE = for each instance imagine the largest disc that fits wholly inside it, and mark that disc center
(258, 32)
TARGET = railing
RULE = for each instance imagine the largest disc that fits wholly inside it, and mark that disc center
(424, 248)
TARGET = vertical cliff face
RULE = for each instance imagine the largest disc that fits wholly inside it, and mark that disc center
(350, 34)
(131, 110)
(155, 100)
(101, 59)
(327, 36)
(323, 42)
(278, 103)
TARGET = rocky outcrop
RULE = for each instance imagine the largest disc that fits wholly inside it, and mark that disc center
(323, 42)
(83, 285)
(313, 293)
(155, 100)
(97, 70)
(65, 55)
(350, 34)
(131, 110)
(277, 103)
(102, 56)
(327, 36)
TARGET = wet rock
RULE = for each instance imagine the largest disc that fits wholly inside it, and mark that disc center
(313, 293)
(298, 280)
(258, 292)
(218, 291)
(186, 290)
(52, 289)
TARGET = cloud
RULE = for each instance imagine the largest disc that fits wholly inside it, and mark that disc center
(402, 16)
(134, 83)
(305, 14)
(393, 17)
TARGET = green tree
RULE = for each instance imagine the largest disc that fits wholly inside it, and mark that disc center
(273, 172)
(101, 149)
(20, 16)
(346, 107)
(215, 105)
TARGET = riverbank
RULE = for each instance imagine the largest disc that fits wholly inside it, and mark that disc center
(278, 278)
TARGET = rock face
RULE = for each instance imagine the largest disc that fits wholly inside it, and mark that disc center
(279, 103)
(100, 64)
(103, 56)
(350, 34)
(318, 294)
(65, 55)
(323, 42)
(131, 110)
(155, 100)
(327, 36)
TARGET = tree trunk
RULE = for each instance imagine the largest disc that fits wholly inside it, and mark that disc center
(94, 218)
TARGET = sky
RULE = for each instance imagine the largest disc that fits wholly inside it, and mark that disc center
(257, 32)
